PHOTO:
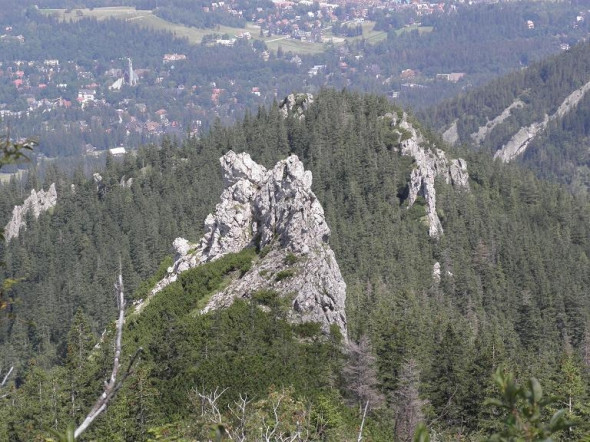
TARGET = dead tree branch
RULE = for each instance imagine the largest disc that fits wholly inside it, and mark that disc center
(360, 438)
(6, 377)
(112, 386)
(239, 412)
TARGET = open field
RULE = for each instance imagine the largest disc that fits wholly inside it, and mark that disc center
(195, 35)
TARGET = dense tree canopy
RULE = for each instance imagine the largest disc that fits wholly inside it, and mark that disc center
(512, 290)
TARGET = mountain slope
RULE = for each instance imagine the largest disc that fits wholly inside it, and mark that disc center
(536, 116)
(503, 285)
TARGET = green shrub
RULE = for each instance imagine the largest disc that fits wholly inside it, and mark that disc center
(308, 329)
(265, 297)
(146, 287)
(291, 259)
(284, 274)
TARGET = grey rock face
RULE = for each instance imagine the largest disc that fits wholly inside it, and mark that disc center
(36, 203)
(277, 211)
(430, 164)
(296, 104)
(451, 135)
(436, 272)
(520, 141)
(483, 131)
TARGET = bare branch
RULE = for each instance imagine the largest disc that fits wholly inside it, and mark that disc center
(111, 387)
(6, 377)
(239, 412)
(210, 400)
(363, 422)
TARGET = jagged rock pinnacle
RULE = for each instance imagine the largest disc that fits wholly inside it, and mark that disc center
(36, 203)
(429, 165)
(273, 209)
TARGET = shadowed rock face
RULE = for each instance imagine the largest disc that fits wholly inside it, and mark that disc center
(274, 210)
(36, 203)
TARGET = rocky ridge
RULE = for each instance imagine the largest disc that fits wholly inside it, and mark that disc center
(520, 140)
(36, 203)
(483, 131)
(430, 164)
(276, 211)
(296, 104)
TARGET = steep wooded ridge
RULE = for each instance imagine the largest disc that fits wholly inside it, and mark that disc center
(509, 286)
(537, 116)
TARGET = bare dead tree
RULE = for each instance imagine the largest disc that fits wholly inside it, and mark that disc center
(407, 402)
(269, 429)
(586, 347)
(113, 385)
(234, 426)
(361, 375)
(209, 405)
(5, 379)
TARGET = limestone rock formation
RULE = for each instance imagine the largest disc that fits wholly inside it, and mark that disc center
(451, 135)
(36, 203)
(520, 140)
(296, 104)
(484, 131)
(276, 211)
(430, 164)
(436, 272)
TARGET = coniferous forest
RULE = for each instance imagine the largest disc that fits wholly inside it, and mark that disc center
(511, 297)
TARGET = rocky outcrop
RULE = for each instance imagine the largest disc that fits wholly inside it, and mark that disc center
(296, 104)
(483, 131)
(36, 204)
(276, 211)
(451, 135)
(436, 272)
(430, 164)
(521, 140)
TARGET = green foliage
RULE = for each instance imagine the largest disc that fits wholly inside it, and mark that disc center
(265, 250)
(291, 259)
(326, 414)
(254, 349)
(284, 274)
(308, 329)
(524, 408)
(422, 434)
(265, 297)
(146, 286)
(11, 152)
(514, 267)
(68, 436)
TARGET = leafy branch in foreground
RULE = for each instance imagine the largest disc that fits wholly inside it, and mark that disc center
(11, 152)
(525, 411)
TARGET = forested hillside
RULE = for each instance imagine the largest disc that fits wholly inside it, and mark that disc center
(549, 100)
(512, 292)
